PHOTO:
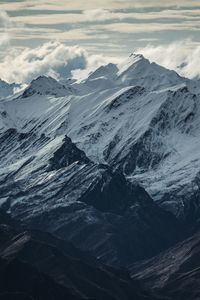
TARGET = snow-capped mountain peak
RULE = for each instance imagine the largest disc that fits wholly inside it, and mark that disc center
(102, 78)
(137, 70)
(110, 70)
(134, 62)
(44, 85)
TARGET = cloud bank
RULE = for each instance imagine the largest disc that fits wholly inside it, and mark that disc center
(53, 58)
(61, 62)
(5, 23)
(184, 57)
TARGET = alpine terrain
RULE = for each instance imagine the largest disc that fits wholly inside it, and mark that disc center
(100, 185)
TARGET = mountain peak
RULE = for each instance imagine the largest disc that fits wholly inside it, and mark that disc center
(138, 56)
(109, 70)
(45, 85)
(138, 70)
(43, 80)
(134, 61)
(102, 78)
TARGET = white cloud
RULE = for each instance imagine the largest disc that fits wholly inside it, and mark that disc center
(5, 23)
(86, 16)
(6, 26)
(60, 61)
(150, 27)
(91, 4)
(4, 38)
(184, 57)
(98, 14)
(5, 20)
(51, 58)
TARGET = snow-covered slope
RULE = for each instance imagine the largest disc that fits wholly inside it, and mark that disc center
(103, 78)
(46, 86)
(139, 118)
(137, 70)
(112, 164)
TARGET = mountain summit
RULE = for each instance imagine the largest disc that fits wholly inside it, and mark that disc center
(137, 70)
(44, 85)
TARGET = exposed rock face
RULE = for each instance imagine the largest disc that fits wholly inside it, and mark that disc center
(66, 155)
(110, 164)
(173, 273)
(63, 192)
(45, 86)
(34, 264)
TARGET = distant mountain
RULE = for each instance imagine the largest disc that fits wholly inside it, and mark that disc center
(7, 89)
(137, 70)
(46, 86)
(102, 78)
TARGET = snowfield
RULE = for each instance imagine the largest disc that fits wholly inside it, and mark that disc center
(138, 118)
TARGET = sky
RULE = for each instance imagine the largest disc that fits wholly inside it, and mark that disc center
(59, 38)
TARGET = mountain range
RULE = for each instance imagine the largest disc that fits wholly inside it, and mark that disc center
(109, 165)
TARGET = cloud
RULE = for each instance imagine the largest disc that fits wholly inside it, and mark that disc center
(53, 58)
(4, 19)
(5, 23)
(86, 16)
(98, 14)
(91, 4)
(6, 26)
(184, 57)
(4, 38)
(61, 61)
(85, 22)
(129, 28)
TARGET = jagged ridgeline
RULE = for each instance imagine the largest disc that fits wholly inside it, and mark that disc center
(110, 164)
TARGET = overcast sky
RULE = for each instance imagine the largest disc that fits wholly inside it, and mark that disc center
(109, 28)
